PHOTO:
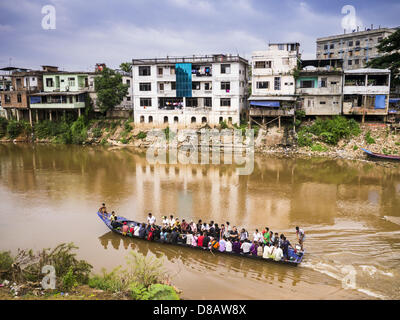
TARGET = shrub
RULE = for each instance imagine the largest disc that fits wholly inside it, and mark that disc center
(318, 148)
(15, 128)
(304, 139)
(127, 127)
(108, 281)
(154, 292)
(3, 126)
(124, 141)
(69, 280)
(79, 131)
(355, 148)
(97, 133)
(368, 138)
(6, 260)
(223, 125)
(142, 135)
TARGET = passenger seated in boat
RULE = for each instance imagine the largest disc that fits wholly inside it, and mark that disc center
(206, 240)
(260, 250)
(136, 232)
(276, 239)
(164, 232)
(142, 231)
(200, 240)
(204, 227)
(184, 226)
(189, 238)
(165, 221)
(103, 209)
(171, 221)
(156, 233)
(278, 253)
(234, 234)
(217, 232)
(174, 236)
(222, 244)
(244, 235)
(125, 228)
(150, 234)
(195, 238)
(266, 236)
(228, 245)
(113, 216)
(199, 224)
(114, 223)
(151, 219)
(214, 244)
(254, 248)
(236, 246)
(267, 251)
(245, 246)
(193, 227)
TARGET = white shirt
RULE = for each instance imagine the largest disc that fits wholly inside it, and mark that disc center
(245, 247)
(151, 219)
(172, 222)
(267, 252)
(257, 236)
(165, 222)
(228, 246)
(189, 239)
(278, 254)
(136, 232)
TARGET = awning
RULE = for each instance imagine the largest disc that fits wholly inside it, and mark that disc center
(265, 103)
(394, 100)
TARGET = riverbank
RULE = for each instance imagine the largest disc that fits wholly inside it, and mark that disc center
(123, 133)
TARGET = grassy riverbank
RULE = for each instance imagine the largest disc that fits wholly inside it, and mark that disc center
(22, 277)
(336, 137)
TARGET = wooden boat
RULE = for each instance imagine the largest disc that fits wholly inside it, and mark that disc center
(380, 155)
(295, 259)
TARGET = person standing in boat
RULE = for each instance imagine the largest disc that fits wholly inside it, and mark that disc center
(151, 219)
(301, 236)
(103, 209)
(257, 236)
(165, 221)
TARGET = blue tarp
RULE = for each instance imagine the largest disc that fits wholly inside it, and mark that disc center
(394, 100)
(35, 100)
(265, 103)
(183, 80)
(380, 102)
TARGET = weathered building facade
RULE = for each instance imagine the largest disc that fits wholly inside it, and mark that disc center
(355, 49)
(189, 91)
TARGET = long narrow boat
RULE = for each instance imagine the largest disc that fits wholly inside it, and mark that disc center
(380, 155)
(294, 258)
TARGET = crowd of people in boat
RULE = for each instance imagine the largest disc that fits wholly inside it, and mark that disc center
(212, 236)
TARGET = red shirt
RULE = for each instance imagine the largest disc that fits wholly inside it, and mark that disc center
(200, 241)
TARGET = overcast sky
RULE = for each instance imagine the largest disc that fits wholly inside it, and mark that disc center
(113, 31)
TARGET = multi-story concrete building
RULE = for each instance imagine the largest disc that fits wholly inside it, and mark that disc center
(15, 95)
(366, 92)
(62, 92)
(273, 82)
(319, 87)
(189, 91)
(355, 48)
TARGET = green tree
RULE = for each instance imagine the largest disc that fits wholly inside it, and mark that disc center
(110, 89)
(126, 66)
(390, 48)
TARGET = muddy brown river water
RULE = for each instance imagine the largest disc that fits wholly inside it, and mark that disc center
(348, 209)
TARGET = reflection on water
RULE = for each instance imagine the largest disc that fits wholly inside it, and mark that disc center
(54, 191)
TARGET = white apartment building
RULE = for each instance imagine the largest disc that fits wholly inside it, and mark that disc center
(273, 82)
(189, 91)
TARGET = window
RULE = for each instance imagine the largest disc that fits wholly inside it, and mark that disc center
(262, 85)
(49, 82)
(203, 119)
(334, 83)
(281, 47)
(225, 102)
(225, 68)
(332, 46)
(350, 43)
(193, 120)
(176, 119)
(195, 85)
(226, 86)
(145, 102)
(128, 82)
(160, 71)
(306, 84)
(323, 83)
(128, 98)
(191, 102)
(161, 86)
(207, 102)
(33, 79)
(380, 39)
(207, 86)
(350, 53)
(145, 86)
(19, 98)
(18, 83)
(7, 98)
(357, 61)
(172, 70)
(357, 42)
(350, 62)
(262, 64)
(71, 82)
(141, 119)
(277, 83)
(173, 85)
(325, 47)
(322, 102)
(150, 119)
(144, 71)
(166, 120)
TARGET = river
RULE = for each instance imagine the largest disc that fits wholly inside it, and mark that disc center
(49, 194)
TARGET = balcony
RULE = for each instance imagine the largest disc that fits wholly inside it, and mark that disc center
(270, 112)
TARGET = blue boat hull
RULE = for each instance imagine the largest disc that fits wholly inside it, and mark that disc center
(105, 218)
